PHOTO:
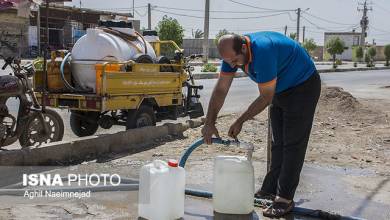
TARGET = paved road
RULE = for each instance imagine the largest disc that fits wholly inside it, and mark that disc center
(346, 65)
(365, 84)
(361, 84)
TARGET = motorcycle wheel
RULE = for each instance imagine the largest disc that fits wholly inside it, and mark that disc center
(34, 134)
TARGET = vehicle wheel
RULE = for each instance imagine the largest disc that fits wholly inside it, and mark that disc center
(142, 117)
(34, 134)
(82, 127)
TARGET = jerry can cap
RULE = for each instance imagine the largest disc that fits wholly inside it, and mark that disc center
(172, 163)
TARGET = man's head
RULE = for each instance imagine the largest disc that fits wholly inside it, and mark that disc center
(233, 50)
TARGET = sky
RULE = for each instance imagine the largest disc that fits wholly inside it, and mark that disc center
(245, 16)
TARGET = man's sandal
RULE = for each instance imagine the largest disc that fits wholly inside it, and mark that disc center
(264, 200)
(278, 209)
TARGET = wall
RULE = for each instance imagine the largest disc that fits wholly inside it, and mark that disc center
(195, 46)
(350, 40)
(380, 53)
(13, 34)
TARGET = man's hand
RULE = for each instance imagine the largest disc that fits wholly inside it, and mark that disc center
(235, 129)
(216, 101)
(208, 131)
(267, 92)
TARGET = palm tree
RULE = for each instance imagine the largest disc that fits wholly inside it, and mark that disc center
(197, 34)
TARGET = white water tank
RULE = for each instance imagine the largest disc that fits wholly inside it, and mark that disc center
(98, 46)
(161, 191)
(233, 185)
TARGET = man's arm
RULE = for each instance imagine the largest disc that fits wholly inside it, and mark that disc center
(218, 96)
(267, 91)
(215, 104)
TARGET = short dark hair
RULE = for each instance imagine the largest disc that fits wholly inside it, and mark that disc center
(237, 43)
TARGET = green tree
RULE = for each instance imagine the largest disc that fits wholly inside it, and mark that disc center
(170, 29)
(197, 34)
(372, 53)
(220, 34)
(335, 46)
(310, 45)
(359, 53)
(208, 67)
(387, 54)
(293, 36)
(367, 59)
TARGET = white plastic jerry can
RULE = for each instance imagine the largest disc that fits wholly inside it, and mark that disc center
(161, 191)
(153, 193)
(233, 185)
(177, 179)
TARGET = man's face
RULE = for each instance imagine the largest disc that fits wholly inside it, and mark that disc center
(234, 59)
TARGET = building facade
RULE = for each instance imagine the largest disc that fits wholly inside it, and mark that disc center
(351, 39)
(22, 37)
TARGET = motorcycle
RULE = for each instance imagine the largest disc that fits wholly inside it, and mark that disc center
(33, 125)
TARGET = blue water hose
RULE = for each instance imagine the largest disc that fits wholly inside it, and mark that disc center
(196, 144)
(206, 194)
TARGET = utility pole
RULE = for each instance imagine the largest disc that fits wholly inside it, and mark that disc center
(206, 31)
(133, 9)
(149, 16)
(298, 22)
(285, 30)
(364, 22)
(39, 30)
(303, 34)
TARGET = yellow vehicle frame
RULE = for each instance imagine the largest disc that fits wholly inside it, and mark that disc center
(120, 89)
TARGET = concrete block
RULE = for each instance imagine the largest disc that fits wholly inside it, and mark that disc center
(47, 155)
(11, 158)
(85, 148)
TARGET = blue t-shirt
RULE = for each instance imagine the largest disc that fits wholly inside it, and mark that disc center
(275, 56)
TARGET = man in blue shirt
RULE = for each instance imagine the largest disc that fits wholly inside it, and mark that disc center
(287, 78)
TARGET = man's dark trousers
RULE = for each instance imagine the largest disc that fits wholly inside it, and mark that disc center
(292, 113)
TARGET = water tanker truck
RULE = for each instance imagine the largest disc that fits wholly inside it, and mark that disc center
(115, 76)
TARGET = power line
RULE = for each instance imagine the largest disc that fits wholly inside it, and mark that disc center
(323, 19)
(222, 11)
(141, 15)
(382, 8)
(381, 34)
(215, 11)
(315, 25)
(291, 18)
(220, 18)
(267, 9)
(241, 30)
(332, 27)
(327, 29)
(112, 9)
(377, 29)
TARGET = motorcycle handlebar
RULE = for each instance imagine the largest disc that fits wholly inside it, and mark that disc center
(7, 61)
(194, 56)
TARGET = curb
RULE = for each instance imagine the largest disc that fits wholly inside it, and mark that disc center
(353, 69)
(212, 75)
(66, 152)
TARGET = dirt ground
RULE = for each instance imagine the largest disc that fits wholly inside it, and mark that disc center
(346, 133)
